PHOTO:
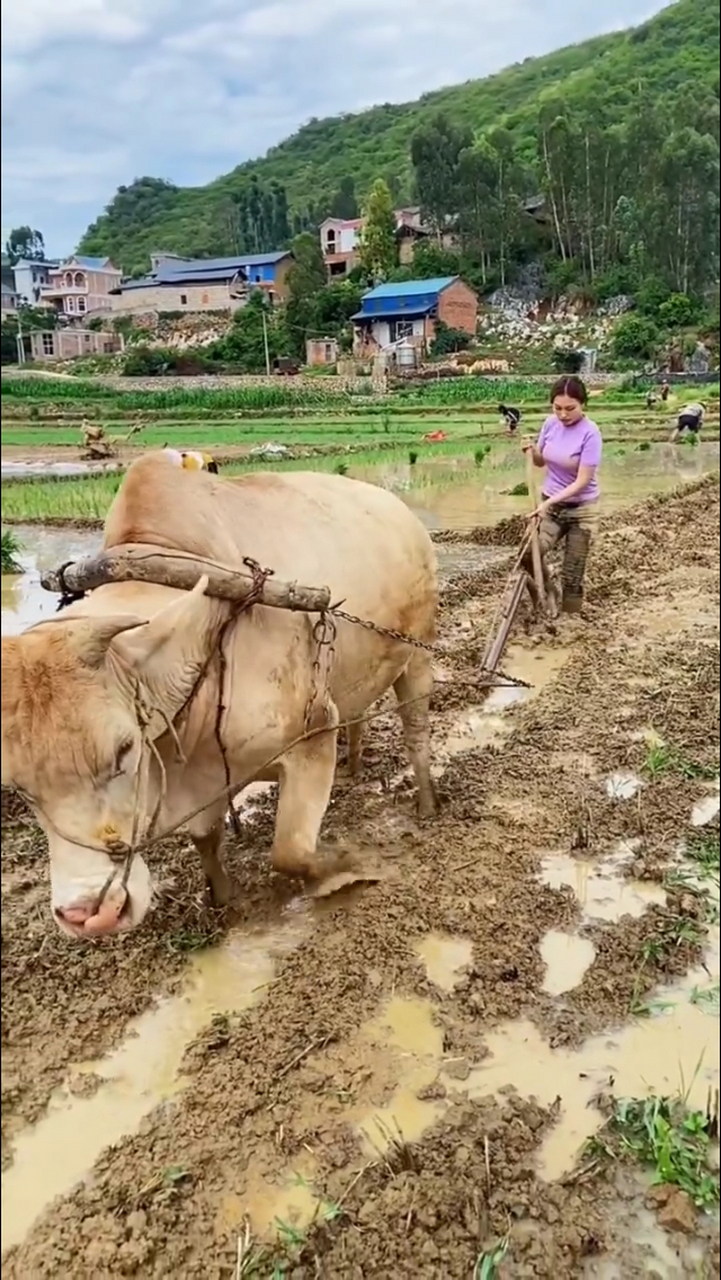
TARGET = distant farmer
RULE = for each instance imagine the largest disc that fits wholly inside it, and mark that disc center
(511, 416)
(190, 460)
(651, 399)
(664, 390)
(690, 419)
(569, 448)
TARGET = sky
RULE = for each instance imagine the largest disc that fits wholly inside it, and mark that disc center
(98, 92)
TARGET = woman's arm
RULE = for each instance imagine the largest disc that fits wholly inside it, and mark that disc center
(584, 477)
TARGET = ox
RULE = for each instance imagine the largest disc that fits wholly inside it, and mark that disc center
(95, 765)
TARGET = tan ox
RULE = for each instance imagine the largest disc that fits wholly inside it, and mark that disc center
(71, 739)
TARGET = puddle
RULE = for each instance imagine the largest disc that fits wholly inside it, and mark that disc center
(52, 1156)
(671, 1051)
(444, 958)
(485, 725)
(641, 1240)
(407, 1026)
(566, 957)
(50, 470)
(24, 601)
(267, 1202)
(622, 786)
(604, 894)
(707, 809)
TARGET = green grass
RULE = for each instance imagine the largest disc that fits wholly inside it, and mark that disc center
(663, 758)
(667, 1137)
(11, 549)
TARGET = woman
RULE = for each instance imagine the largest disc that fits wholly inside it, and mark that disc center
(569, 448)
(511, 417)
(690, 419)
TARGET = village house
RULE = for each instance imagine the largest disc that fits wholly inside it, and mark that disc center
(339, 240)
(66, 343)
(204, 284)
(80, 286)
(409, 311)
(31, 277)
(9, 291)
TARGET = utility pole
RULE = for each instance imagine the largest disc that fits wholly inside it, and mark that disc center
(265, 341)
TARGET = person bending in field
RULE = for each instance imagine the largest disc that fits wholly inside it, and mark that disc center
(690, 419)
(569, 449)
(511, 417)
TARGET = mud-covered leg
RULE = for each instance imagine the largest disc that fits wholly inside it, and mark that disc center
(217, 880)
(355, 748)
(550, 532)
(578, 543)
(413, 691)
(306, 780)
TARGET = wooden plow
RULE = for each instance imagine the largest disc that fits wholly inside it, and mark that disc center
(519, 582)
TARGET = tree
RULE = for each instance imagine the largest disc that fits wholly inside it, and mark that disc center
(306, 279)
(23, 242)
(435, 153)
(378, 249)
(344, 203)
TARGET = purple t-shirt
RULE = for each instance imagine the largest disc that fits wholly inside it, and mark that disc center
(564, 450)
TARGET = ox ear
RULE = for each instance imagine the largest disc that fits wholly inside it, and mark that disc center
(183, 622)
(91, 637)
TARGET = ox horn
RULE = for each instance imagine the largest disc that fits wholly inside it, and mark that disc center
(91, 636)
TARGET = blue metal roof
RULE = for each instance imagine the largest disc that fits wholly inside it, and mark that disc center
(205, 270)
(395, 313)
(409, 288)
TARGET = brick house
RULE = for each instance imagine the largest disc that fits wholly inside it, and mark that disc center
(69, 342)
(204, 284)
(410, 310)
(80, 286)
(339, 240)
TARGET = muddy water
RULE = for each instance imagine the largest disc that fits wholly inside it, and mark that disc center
(33, 470)
(486, 724)
(451, 492)
(23, 599)
(55, 1154)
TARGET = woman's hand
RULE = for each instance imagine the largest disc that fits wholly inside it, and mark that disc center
(527, 442)
(542, 509)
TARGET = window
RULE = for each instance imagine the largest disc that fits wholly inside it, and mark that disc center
(48, 344)
(69, 304)
(81, 305)
(401, 329)
(183, 299)
(79, 280)
(69, 279)
(205, 299)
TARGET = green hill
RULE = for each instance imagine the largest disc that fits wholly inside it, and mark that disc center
(673, 58)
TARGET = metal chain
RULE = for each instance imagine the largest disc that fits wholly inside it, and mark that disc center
(324, 635)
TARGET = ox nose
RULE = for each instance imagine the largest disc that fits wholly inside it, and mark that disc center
(78, 913)
(92, 919)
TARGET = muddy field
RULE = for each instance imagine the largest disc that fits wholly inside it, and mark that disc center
(417, 1077)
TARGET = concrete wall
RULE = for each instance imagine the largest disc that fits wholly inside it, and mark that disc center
(173, 297)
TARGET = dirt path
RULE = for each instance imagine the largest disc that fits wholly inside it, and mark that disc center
(436, 1000)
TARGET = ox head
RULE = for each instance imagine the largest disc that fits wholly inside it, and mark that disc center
(73, 743)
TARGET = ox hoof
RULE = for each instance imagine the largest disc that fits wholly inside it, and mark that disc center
(217, 893)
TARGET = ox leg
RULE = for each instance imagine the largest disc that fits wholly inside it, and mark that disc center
(216, 877)
(413, 691)
(355, 748)
(306, 779)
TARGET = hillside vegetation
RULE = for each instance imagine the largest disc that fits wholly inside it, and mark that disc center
(667, 66)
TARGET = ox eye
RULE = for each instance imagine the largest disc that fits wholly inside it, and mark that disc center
(121, 757)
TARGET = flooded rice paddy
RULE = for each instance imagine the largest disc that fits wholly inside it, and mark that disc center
(499, 975)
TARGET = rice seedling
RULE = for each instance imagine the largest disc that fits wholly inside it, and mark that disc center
(11, 549)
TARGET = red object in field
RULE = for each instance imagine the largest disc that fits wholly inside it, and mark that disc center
(435, 437)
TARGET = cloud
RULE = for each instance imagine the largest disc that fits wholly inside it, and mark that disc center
(98, 92)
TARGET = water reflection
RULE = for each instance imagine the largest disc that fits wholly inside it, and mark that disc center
(23, 599)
